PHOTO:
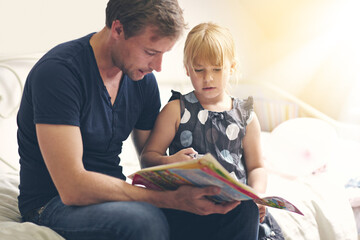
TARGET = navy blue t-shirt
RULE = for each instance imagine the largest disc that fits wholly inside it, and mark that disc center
(65, 87)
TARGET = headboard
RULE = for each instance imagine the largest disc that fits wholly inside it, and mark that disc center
(13, 72)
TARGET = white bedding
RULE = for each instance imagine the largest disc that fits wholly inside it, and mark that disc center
(327, 212)
(11, 227)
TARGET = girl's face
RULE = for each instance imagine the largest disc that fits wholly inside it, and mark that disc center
(210, 81)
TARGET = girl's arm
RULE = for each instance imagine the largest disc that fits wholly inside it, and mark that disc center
(166, 125)
(257, 176)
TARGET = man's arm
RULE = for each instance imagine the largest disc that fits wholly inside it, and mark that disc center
(62, 149)
(139, 138)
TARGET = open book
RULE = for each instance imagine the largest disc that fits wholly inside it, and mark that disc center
(201, 172)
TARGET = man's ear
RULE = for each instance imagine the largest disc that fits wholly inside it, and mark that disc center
(117, 29)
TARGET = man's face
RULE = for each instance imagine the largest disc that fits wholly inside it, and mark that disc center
(141, 54)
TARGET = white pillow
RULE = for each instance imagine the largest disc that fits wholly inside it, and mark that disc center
(300, 146)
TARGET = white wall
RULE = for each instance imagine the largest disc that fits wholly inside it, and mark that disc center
(28, 26)
(307, 47)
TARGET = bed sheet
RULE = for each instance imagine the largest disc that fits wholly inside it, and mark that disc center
(327, 212)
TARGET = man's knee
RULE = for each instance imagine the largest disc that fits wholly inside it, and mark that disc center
(246, 212)
(145, 221)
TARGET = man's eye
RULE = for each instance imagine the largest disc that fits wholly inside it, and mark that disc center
(150, 53)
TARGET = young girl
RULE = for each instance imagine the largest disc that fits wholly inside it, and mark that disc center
(208, 119)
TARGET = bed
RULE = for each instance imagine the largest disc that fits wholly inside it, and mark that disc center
(321, 179)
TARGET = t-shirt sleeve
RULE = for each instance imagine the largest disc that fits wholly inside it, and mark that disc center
(151, 103)
(248, 106)
(56, 94)
(178, 96)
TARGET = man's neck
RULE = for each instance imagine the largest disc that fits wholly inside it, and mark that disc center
(101, 44)
(110, 74)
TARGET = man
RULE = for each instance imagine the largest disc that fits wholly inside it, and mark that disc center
(80, 102)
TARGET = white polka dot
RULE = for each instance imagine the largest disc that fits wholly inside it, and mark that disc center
(232, 131)
(185, 118)
(227, 156)
(203, 115)
(186, 138)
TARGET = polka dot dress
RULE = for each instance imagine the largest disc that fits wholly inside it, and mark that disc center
(218, 133)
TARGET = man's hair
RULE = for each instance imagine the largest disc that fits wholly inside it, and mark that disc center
(135, 15)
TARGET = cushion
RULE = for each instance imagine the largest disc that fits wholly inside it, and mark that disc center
(301, 146)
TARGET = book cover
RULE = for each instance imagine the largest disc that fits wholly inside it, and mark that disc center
(202, 172)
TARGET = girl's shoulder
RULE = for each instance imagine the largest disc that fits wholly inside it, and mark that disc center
(178, 101)
(246, 104)
(175, 95)
(243, 109)
(188, 98)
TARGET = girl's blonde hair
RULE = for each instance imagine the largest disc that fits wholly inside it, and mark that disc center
(209, 42)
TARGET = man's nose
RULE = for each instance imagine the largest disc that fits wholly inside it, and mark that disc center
(156, 63)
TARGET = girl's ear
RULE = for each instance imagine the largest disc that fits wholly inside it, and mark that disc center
(187, 71)
(233, 67)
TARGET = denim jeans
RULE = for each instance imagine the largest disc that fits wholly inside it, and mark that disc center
(140, 221)
(110, 221)
(242, 223)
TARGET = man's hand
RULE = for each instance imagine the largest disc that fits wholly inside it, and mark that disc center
(193, 199)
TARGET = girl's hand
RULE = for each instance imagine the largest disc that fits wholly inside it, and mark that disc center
(183, 155)
(262, 212)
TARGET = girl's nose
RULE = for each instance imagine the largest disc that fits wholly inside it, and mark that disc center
(208, 76)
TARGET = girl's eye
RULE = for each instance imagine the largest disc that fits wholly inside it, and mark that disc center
(198, 70)
(217, 69)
